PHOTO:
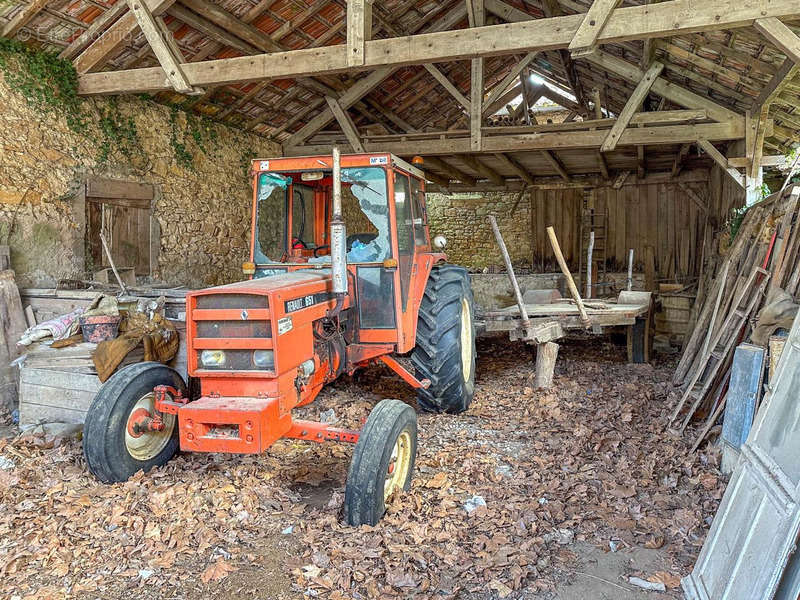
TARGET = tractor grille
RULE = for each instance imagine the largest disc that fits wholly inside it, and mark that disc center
(220, 301)
(233, 329)
(232, 332)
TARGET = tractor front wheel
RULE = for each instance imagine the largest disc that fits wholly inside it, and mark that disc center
(445, 345)
(115, 444)
(383, 461)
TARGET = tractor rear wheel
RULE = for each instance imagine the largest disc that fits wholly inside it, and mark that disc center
(114, 449)
(445, 345)
(383, 461)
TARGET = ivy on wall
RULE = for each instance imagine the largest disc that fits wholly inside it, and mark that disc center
(50, 85)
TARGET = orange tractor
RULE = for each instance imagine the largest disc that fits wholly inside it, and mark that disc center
(318, 303)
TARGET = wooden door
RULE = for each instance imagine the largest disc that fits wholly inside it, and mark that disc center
(121, 211)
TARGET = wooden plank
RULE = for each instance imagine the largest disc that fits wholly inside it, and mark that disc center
(476, 165)
(346, 123)
(359, 30)
(448, 85)
(789, 69)
(628, 23)
(163, 52)
(780, 35)
(100, 187)
(584, 41)
(115, 37)
(632, 106)
(22, 18)
(93, 31)
(450, 170)
(121, 202)
(718, 158)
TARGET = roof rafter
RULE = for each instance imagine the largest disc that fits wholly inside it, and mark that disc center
(635, 22)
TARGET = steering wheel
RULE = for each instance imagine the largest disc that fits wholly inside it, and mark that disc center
(318, 248)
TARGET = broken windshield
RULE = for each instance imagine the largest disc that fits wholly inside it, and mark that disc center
(270, 239)
(365, 208)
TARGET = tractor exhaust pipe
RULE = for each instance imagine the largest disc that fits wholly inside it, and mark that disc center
(338, 237)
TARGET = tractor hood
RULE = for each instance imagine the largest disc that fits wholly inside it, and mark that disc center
(274, 283)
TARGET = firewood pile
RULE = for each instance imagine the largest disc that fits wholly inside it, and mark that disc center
(761, 263)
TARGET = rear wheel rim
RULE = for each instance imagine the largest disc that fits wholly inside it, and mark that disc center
(399, 465)
(149, 444)
(466, 340)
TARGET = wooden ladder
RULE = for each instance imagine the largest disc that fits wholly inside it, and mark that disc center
(597, 221)
(721, 346)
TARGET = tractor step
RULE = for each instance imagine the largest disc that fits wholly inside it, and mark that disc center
(231, 424)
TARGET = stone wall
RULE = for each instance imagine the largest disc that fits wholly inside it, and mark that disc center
(461, 218)
(202, 199)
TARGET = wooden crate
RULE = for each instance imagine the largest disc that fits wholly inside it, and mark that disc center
(55, 396)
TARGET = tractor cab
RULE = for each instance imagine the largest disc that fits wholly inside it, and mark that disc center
(383, 208)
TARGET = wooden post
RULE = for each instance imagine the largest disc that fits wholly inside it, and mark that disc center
(630, 269)
(546, 355)
(589, 265)
(523, 313)
(573, 290)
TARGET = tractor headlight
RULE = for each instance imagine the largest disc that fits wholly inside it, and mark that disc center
(264, 359)
(212, 358)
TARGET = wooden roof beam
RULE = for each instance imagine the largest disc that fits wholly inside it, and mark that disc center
(346, 123)
(167, 53)
(360, 89)
(22, 18)
(501, 87)
(584, 41)
(448, 143)
(601, 161)
(780, 35)
(115, 37)
(720, 159)
(93, 31)
(484, 169)
(449, 170)
(556, 164)
(677, 166)
(517, 168)
(635, 22)
(632, 106)
(448, 85)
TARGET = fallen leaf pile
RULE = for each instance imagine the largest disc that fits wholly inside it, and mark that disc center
(500, 495)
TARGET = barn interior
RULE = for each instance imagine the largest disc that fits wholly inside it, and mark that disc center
(619, 178)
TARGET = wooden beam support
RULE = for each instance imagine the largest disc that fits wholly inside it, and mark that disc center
(476, 104)
(632, 106)
(780, 35)
(788, 70)
(22, 18)
(359, 30)
(448, 143)
(100, 51)
(720, 159)
(556, 163)
(584, 41)
(346, 123)
(164, 51)
(677, 166)
(448, 85)
(629, 23)
(694, 197)
(508, 80)
(664, 88)
(360, 89)
(517, 168)
(641, 162)
(485, 170)
(743, 162)
(601, 161)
